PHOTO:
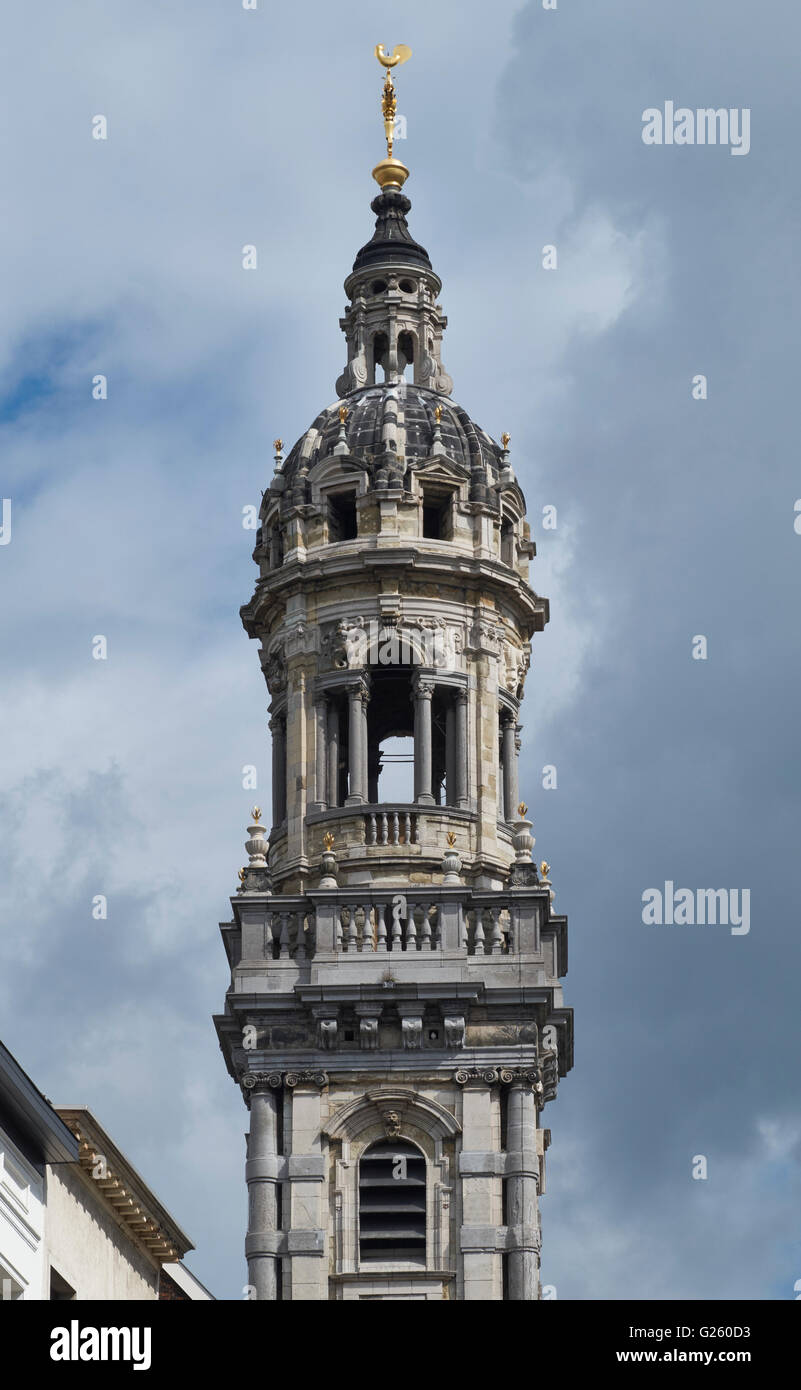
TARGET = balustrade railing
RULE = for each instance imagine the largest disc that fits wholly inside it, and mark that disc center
(399, 925)
(382, 922)
(489, 930)
(289, 934)
(390, 827)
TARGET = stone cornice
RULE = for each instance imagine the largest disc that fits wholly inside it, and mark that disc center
(119, 1187)
(461, 566)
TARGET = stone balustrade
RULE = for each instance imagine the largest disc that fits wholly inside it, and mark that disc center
(390, 826)
(367, 921)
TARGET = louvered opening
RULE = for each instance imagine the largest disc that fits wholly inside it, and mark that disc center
(392, 1204)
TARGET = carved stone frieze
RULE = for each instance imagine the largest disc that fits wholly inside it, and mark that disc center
(514, 666)
(274, 668)
(392, 640)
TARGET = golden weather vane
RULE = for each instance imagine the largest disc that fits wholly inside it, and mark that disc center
(390, 172)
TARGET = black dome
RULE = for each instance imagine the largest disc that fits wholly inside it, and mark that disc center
(463, 441)
(391, 241)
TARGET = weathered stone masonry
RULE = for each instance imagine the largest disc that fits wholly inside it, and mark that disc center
(395, 1017)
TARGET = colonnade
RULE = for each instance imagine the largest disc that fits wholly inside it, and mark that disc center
(364, 760)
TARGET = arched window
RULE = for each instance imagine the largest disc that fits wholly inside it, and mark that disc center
(406, 356)
(380, 356)
(438, 500)
(390, 723)
(392, 1204)
(342, 517)
(396, 770)
(276, 547)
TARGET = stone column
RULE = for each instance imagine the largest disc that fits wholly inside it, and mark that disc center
(423, 695)
(460, 752)
(261, 1173)
(333, 753)
(511, 794)
(278, 730)
(357, 744)
(521, 1193)
(321, 752)
(365, 740)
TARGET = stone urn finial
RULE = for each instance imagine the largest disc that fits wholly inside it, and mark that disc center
(328, 862)
(451, 863)
(522, 839)
(257, 845)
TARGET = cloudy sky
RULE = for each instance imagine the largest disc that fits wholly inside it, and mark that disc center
(676, 516)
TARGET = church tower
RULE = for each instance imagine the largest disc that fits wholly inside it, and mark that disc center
(395, 1017)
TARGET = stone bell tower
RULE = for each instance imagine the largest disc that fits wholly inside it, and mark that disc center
(394, 1017)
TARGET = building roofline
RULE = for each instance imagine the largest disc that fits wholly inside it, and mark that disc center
(187, 1282)
(94, 1141)
(33, 1113)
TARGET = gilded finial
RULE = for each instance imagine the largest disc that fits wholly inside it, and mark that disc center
(343, 414)
(241, 875)
(451, 838)
(505, 439)
(328, 841)
(438, 414)
(390, 172)
(256, 813)
(278, 445)
(545, 869)
(522, 809)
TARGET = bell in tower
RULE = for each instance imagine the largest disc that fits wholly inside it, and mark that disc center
(395, 1017)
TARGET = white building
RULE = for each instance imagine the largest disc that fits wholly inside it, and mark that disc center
(76, 1219)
